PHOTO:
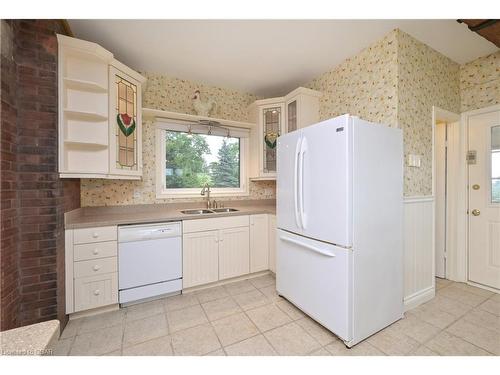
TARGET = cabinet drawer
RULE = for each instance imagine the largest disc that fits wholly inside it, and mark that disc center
(199, 225)
(95, 250)
(96, 291)
(97, 234)
(94, 267)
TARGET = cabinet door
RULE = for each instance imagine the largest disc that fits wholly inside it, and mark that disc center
(292, 107)
(125, 151)
(259, 243)
(200, 260)
(271, 127)
(96, 291)
(272, 243)
(234, 252)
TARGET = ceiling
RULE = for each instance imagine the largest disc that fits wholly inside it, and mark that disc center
(264, 57)
(488, 29)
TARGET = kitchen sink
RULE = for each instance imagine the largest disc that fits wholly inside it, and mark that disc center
(224, 210)
(197, 212)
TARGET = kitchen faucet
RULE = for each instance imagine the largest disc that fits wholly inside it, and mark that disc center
(206, 189)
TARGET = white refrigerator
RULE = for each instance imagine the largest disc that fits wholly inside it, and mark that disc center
(339, 219)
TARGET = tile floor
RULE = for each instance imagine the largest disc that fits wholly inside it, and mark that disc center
(249, 318)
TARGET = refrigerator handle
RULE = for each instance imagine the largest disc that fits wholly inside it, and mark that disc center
(302, 213)
(307, 246)
(295, 181)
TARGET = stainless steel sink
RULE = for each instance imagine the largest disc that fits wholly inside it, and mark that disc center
(218, 210)
(197, 212)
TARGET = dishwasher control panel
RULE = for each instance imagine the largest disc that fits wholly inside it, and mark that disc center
(130, 233)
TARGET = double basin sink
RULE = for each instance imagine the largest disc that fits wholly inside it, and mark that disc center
(211, 211)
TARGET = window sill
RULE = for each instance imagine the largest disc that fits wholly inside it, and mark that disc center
(196, 194)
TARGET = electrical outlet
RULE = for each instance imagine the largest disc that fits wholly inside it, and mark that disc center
(137, 194)
(268, 191)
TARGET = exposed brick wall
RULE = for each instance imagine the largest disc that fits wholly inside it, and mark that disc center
(9, 274)
(41, 197)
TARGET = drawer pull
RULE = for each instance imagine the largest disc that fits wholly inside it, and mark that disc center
(96, 251)
(97, 292)
(95, 234)
(96, 268)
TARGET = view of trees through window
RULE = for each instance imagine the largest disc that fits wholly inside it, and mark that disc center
(193, 160)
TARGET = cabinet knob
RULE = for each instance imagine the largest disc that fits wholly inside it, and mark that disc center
(97, 292)
(96, 251)
(95, 234)
(97, 268)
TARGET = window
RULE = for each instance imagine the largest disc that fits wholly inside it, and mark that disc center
(191, 156)
(495, 164)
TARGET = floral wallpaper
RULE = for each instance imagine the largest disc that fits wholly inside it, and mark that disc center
(364, 85)
(166, 93)
(480, 83)
(426, 78)
(395, 82)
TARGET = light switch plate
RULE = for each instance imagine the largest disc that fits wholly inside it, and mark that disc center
(414, 160)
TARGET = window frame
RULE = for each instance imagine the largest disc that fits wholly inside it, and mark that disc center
(160, 149)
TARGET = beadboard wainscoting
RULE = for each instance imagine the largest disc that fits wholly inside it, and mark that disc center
(418, 250)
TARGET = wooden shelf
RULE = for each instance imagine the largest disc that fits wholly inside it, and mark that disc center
(82, 85)
(92, 145)
(86, 116)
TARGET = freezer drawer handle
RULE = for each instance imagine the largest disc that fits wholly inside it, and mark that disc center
(313, 248)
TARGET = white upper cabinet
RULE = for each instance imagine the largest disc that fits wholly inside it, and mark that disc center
(89, 102)
(274, 117)
(302, 108)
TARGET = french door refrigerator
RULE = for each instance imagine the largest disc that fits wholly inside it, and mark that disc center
(339, 219)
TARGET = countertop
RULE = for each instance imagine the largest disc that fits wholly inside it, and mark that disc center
(153, 213)
(35, 339)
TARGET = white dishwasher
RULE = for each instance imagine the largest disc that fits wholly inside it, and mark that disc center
(149, 261)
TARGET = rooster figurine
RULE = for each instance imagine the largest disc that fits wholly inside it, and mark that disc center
(202, 108)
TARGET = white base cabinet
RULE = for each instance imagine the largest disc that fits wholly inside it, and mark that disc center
(272, 243)
(234, 252)
(91, 268)
(259, 243)
(221, 248)
(200, 259)
(215, 249)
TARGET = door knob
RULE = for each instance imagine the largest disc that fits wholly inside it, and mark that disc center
(476, 212)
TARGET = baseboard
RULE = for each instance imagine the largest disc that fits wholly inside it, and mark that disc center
(418, 298)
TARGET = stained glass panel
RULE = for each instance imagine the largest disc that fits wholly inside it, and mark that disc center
(272, 120)
(126, 134)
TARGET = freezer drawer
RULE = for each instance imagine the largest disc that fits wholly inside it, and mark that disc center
(315, 276)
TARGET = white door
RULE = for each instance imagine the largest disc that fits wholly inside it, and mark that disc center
(200, 258)
(234, 252)
(259, 243)
(315, 277)
(440, 192)
(484, 198)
